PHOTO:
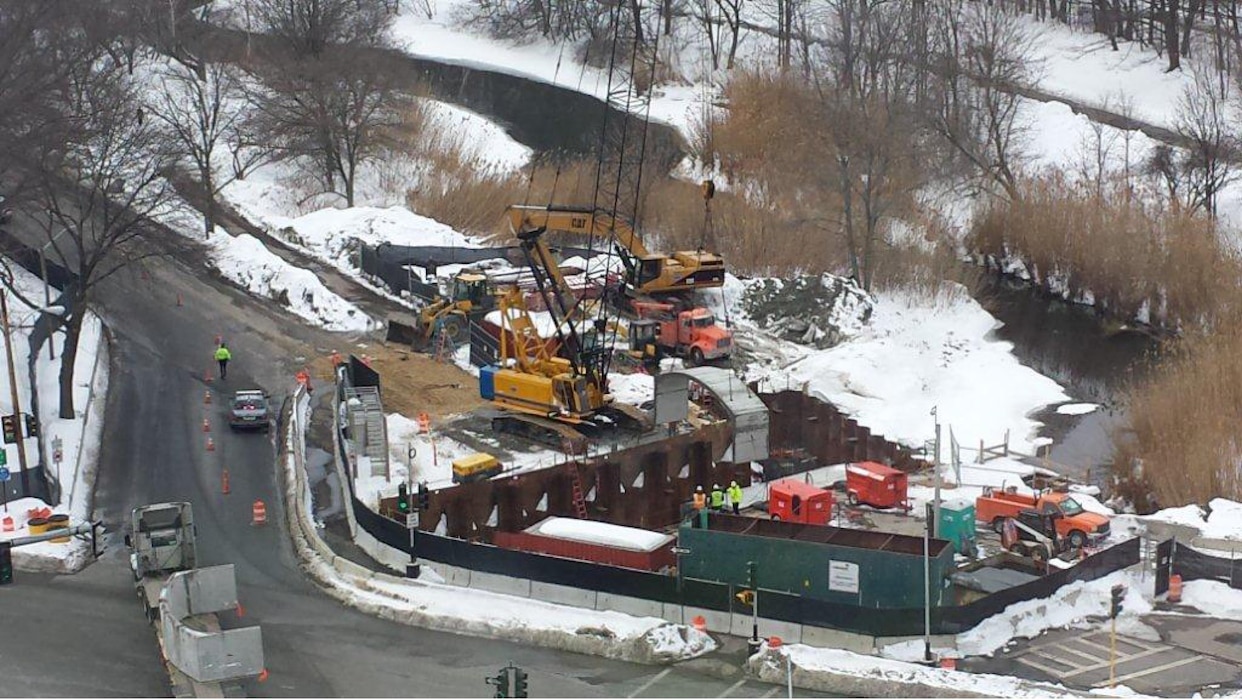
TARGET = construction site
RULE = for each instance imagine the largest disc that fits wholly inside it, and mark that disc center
(568, 429)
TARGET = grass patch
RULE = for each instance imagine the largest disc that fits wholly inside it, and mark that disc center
(1135, 259)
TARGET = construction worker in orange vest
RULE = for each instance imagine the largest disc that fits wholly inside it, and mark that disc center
(700, 499)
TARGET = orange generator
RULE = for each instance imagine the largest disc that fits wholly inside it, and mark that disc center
(797, 502)
(876, 485)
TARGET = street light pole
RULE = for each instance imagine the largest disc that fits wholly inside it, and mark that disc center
(17, 408)
(927, 652)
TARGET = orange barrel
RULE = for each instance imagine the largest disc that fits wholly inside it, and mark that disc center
(1175, 588)
(37, 526)
(58, 522)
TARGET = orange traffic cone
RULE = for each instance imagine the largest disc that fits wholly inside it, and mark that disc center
(263, 676)
(699, 623)
(206, 426)
(207, 375)
(211, 444)
(224, 482)
(241, 609)
(207, 397)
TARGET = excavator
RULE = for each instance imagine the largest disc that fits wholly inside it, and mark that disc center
(553, 399)
(647, 273)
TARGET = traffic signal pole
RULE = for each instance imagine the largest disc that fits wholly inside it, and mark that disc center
(13, 395)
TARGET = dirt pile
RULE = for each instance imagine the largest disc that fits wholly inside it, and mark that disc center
(820, 311)
(411, 382)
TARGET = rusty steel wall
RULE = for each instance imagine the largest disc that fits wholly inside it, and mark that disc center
(798, 420)
(473, 511)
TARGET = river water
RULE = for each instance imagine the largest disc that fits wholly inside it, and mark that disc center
(1067, 343)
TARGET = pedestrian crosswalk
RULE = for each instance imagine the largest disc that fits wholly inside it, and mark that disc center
(1085, 659)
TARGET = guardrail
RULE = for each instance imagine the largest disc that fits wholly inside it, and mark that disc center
(207, 655)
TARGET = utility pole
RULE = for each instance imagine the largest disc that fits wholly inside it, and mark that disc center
(17, 407)
(935, 526)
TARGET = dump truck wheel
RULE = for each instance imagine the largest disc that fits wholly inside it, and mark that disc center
(852, 498)
(696, 357)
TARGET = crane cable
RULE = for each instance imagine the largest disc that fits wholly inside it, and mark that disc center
(642, 144)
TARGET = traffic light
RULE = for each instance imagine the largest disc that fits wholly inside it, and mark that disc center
(32, 425)
(403, 498)
(519, 683)
(6, 563)
(746, 597)
(1119, 594)
(424, 497)
(11, 432)
(501, 681)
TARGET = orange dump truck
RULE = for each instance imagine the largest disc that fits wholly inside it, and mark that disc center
(1076, 525)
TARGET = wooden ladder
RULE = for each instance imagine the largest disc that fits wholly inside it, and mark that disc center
(579, 499)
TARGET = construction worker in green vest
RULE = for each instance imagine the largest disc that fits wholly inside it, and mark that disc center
(718, 497)
(222, 358)
(735, 496)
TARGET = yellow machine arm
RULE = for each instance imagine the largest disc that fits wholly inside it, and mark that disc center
(579, 221)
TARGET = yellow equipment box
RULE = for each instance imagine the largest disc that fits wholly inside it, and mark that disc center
(475, 467)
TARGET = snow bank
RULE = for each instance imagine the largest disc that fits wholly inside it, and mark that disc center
(246, 261)
(918, 354)
(79, 436)
(1213, 597)
(845, 673)
(593, 532)
(1068, 608)
(1222, 520)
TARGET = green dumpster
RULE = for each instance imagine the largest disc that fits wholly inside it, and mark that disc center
(957, 525)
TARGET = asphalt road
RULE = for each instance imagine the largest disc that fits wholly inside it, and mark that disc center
(154, 450)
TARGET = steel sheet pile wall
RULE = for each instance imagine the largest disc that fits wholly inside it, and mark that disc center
(639, 487)
(798, 420)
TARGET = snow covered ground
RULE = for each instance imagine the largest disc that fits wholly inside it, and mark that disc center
(78, 437)
(916, 355)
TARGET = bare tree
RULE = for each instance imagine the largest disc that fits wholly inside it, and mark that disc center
(309, 28)
(1162, 164)
(1095, 151)
(982, 53)
(865, 89)
(324, 94)
(338, 110)
(731, 16)
(99, 190)
(204, 111)
(1205, 118)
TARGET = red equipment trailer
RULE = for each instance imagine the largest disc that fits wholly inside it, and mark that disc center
(876, 485)
(794, 501)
